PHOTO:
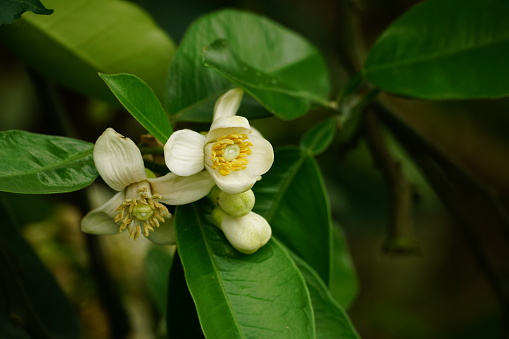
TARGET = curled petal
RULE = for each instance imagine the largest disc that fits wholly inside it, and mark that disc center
(228, 104)
(165, 233)
(100, 220)
(118, 160)
(228, 125)
(262, 156)
(177, 190)
(183, 152)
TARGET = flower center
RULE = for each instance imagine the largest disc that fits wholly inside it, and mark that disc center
(141, 213)
(229, 153)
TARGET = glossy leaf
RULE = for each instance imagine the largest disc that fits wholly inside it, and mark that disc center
(319, 137)
(259, 43)
(29, 291)
(84, 37)
(292, 197)
(40, 164)
(282, 99)
(444, 49)
(11, 10)
(261, 295)
(157, 267)
(137, 97)
(331, 320)
(344, 285)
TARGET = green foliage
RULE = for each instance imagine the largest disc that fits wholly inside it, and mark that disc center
(40, 164)
(319, 137)
(281, 54)
(23, 278)
(262, 295)
(293, 199)
(11, 10)
(141, 102)
(444, 49)
(331, 320)
(85, 37)
(282, 99)
(344, 285)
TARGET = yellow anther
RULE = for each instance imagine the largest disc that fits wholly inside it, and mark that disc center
(229, 152)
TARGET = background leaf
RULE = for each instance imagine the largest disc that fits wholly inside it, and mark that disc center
(137, 97)
(85, 37)
(318, 138)
(48, 312)
(292, 197)
(281, 54)
(157, 269)
(344, 285)
(282, 99)
(41, 164)
(11, 10)
(261, 295)
(331, 320)
(444, 49)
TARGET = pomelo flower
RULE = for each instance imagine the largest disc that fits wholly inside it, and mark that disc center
(247, 233)
(137, 207)
(232, 152)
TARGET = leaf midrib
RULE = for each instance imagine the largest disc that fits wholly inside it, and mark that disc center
(52, 166)
(435, 56)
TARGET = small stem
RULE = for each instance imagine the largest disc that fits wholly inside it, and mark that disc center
(400, 233)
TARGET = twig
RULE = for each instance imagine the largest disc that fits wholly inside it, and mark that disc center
(400, 233)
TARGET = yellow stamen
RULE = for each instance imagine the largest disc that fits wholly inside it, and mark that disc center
(229, 152)
(142, 211)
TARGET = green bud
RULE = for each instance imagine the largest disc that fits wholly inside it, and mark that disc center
(236, 205)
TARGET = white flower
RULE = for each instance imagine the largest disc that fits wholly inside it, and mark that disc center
(234, 154)
(137, 206)
(247, 234)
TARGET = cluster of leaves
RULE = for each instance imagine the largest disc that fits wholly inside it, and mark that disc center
(289, 288)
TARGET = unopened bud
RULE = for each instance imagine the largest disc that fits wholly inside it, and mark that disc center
(236, 205)
(247, 233)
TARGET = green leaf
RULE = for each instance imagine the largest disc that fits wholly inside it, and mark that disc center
(84, 37)
(444, 49)
(292, 197)
(11, 10)
(141, 102)
(331, 320)
(261, 295)
(40, 164)
(157, 270)
(319, 137)
(30, 294)
(344, 285)
(260, 43)
(282, 99)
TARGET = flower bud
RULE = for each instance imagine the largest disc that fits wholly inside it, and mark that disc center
(247, 233)
(236, 205)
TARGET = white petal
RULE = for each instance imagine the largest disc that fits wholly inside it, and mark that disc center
(228, 125)
(248, 233)
(183, 152)
(165, 233)
(176, 190)
(256, 132)
(100, 220)
(262, 156)
(228, 104)
(118, 160)
(234, 182)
